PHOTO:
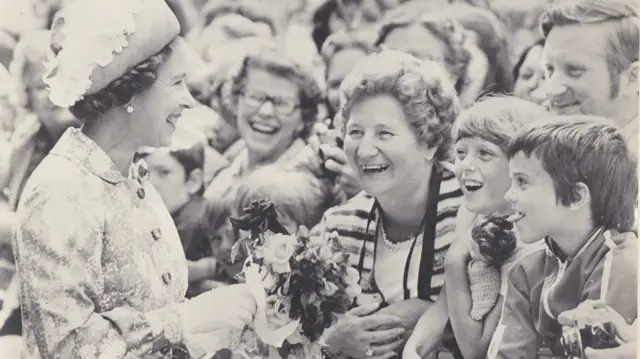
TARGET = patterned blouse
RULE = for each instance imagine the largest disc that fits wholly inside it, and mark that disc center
(99, 258)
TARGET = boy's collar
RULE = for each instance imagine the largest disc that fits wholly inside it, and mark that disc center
(553, 249)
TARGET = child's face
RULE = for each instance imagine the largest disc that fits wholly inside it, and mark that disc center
(168, 177)
(482, 169)
(533, 196)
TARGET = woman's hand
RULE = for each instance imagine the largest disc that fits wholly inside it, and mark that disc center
(324, 143)
(363, 334)
(216, 303)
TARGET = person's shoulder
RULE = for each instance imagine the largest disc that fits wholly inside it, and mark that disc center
(352, 213)
(624, 247)
(528, 263)
(360, 202)
(57, 178)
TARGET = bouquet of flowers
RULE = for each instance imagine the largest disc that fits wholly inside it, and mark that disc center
(301, 285)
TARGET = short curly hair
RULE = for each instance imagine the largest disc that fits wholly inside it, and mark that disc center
(428, 98)
(359, 39)
(492, 40)
(252, 11)
(445, 28)
(274, 60)
(121, 90)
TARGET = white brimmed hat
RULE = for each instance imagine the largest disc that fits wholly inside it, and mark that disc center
(97, 41)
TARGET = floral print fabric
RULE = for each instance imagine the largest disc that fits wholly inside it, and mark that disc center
(99, 259)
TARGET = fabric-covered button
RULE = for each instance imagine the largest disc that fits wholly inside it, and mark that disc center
(141, 193)
(142, 171)
(156, 234)
(166, 278)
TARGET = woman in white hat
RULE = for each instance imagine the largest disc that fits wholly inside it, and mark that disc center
(102, 270)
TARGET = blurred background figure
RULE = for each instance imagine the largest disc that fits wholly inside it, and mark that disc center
(341, 52)
(529, 74)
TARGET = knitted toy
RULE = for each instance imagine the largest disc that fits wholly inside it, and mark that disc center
(493, 242)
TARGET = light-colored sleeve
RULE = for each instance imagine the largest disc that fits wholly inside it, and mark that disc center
(58, 247)
(515, 335)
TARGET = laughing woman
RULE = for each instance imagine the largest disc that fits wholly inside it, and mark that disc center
(102, 271)
(276, 104)
(396, 116)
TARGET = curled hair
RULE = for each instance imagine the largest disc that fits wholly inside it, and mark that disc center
(252, 11)
(585, 149)
(298, 195)
(496, 119)
(620, 19)
(443, 27)
(496, 239)
(121, 90)
(427, 97)
(274, 60)
(362, 40)
(492, 40)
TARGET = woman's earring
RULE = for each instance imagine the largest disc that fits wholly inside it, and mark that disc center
(129, 108)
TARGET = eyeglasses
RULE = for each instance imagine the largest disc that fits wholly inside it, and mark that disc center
(282, 106)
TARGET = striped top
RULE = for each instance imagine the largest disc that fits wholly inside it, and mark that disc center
(349, 220)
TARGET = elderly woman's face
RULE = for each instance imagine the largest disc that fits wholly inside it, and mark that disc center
(530, 77)
(338, 68)
(482, 169)
(418, 41)
(382, 149)
(269, 116)
(158, 109)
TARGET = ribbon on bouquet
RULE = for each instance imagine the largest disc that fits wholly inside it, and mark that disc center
(267, 335)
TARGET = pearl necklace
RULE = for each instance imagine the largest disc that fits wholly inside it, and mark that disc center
(399, 246)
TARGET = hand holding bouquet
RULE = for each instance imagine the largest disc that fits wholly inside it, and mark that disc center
(301, 284)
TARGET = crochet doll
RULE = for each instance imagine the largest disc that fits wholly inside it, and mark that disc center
(493, 242)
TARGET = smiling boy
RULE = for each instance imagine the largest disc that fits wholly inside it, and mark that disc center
(574, 183)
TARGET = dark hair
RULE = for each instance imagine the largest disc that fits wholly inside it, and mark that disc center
(321, 18)
(523, 56)
(496, 239)
(120, 91)
(191, 159)
(492, 40)
(590, 150)
(444, 27)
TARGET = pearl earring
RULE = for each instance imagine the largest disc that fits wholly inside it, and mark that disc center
(130, 108)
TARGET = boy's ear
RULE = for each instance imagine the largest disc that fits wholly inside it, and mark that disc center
(582, 197)
(194, 182)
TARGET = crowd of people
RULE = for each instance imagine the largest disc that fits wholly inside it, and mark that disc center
(131, 131)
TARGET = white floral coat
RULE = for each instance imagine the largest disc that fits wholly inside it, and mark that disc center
(99, 259)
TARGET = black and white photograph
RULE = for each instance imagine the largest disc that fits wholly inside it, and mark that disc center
(319, 179)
